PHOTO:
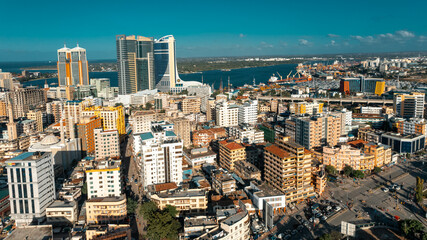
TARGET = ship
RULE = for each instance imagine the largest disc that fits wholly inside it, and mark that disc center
(296, 78)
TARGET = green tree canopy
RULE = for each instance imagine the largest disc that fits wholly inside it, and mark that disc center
(410, 227)
(348, 170)
(419, 190)
(132, 205)
(377, 170)
(331, 170)
(162, 224)
(358, 174)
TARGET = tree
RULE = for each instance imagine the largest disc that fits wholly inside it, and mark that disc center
(132, 205)
(148, 105)
(162, 224)
(325, 236)
(419, 190)
(118, 104)
(84, 189)
(377, 170)
(411, 227)
(358, 174)
(331, 170)
(348, 170)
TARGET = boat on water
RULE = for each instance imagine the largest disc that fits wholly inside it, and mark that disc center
(226, 70)
(296, 78)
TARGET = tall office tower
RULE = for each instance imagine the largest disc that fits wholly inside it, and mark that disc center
(159, 154)
(409, 105)
(248, 112)
(12, 129)
(37, 116)
(210, 109)
(226, 115)
(104, 179)
(183, 128)
(288, 167)
(6, 80)
(85, 131)
(31, 183)
(72, 66)
(25, 98)
(135, 60)
(166, 70)
(107, 144)
(113, 118)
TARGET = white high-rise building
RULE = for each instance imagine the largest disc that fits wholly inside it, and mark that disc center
(409, 105)
(159, 153)
(227, 115)
(107, 143)
(104, 179)
(248, 112)
(31, 183)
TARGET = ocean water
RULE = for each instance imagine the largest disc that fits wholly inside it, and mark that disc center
(238, 77)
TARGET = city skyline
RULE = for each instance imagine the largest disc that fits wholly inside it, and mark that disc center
(221, 29)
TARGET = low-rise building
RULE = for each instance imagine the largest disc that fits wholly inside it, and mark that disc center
(197, 226)
(199, 156)
(61, 213)
(105, 210)
(205, 136)
(247, 171)
(260, 193)
(404, 143)
(246, 134)
(223, 183)
(188, 201)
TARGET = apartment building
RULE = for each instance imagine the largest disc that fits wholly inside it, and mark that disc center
(182, 128)
(106, 210)
(103, 180)
(191, 105)
(288, 168)
(141, 121)
(86, 132)
(188, 201)
(409, 105)
(223, 183)
(24, 99)
(159, 154)
(113, 118)
(248, 112)
(339, 157)
(198, 156)
(227, 115)
(411, 126)
(31, 184)
(229, 153)
(37, 116)
(107, 144)
(306, 108)
(205, 136)
(246, 134)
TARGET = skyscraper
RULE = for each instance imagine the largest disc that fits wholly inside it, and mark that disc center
(135, 59)
(165, 60)
(72, 66)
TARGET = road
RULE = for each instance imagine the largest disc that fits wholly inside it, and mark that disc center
(338, 100)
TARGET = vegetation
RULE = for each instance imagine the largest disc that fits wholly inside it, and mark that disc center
(148, 106)
(216, 92)
(118, 104)
(412, 228)
(347, 170)
(132, 205)
(162, 224)
(84, 189)
(357, 174)
(331, 170)
(334, 235)
(419, 190)
(377, 170)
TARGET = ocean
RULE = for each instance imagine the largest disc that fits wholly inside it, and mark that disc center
(238, 77)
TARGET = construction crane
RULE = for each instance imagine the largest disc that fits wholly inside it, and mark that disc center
(278, 74)
(287, 77)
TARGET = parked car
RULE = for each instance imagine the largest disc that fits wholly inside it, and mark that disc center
(386, 189)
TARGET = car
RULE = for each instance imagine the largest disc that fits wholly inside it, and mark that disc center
(337, 208)
(311, 219)
(300, 227)
(305, 223)
(318, 215)
(396, 187)
(287, 232)
(324, 218)
(328, 208)
(298, 217)
(294, 232)
(288, 236)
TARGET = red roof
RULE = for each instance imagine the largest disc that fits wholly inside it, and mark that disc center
(165, 186)
(274, 149)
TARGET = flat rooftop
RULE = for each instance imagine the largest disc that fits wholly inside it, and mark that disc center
(28, 156)
(265, 190)
(194, 222)
(182, 194)
(106, 199)
(40, 232)
(61, 204)
(235, 218)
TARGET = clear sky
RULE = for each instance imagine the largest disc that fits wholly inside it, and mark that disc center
(33, 30)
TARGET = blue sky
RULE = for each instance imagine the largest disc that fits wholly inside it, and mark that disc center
(34, 30)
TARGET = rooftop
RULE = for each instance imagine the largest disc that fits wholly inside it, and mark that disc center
(146, 136)
(231, 145)
(106, 199)
(235, 218)
(182, 194)
(34, 232)
(28, 156)
(61, 204)
(275, 150)
(262, 189)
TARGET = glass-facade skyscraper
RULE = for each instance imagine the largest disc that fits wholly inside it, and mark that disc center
(135, 59)
(165, 60)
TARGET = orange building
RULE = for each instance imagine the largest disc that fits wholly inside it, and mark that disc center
(205, 136)
(85, 131)
(229, 153)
